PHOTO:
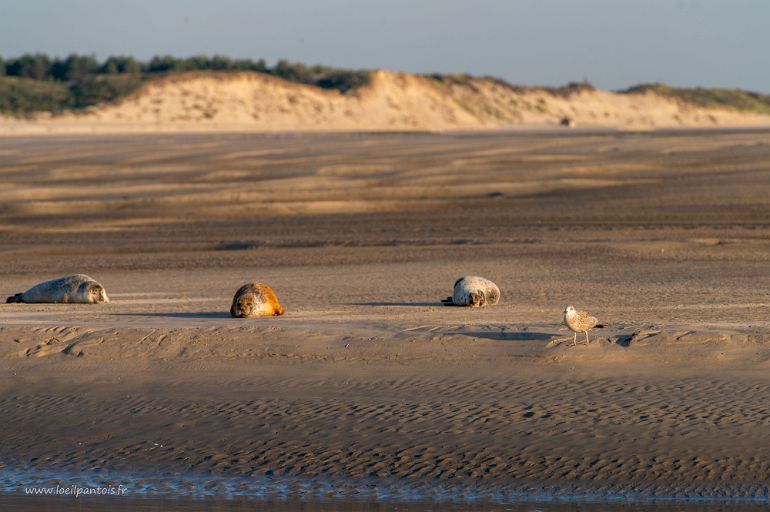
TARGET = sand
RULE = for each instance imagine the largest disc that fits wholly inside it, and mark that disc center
(233, 102)
(367, 378)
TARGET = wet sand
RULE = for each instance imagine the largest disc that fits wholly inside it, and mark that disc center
(240, 505)
(664, 236)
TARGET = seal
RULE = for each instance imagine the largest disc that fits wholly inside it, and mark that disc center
(255, 300)
(74, 289)
(473, 291)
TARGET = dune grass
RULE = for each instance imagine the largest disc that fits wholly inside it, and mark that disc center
(732, 99)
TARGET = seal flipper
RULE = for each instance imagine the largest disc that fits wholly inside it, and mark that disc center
(448, 301)
(14, 298)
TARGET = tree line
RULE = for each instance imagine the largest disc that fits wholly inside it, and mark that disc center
(36, 82)
(76, 67)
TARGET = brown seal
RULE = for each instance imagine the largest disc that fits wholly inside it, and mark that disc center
(255, 300)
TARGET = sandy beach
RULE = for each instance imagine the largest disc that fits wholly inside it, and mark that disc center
(664, 236)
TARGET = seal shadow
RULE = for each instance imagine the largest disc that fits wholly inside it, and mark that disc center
(399, 304)
(202, 314)
(509, 336)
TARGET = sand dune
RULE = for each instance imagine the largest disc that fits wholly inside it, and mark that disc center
(391, 102)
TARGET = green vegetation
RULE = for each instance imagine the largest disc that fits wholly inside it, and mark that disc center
(734, 99)
(21, 96)
(572, 88)
(94, 89)
(321, 76)
(36, 83)
(452, 79)
(466, 80)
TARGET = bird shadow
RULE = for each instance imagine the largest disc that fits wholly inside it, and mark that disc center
(509, 336)
(202, 314)
(624, 340)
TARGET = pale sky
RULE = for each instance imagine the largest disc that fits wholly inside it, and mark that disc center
(612, 43)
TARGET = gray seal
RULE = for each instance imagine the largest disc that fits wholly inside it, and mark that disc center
(74, 289)
(473, 291)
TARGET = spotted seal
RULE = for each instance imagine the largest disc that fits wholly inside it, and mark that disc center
(74, 289)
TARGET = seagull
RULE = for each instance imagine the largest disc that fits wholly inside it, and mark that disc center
(579, 321)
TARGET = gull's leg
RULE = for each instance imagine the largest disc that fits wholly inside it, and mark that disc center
(574, 340)
(587, 341)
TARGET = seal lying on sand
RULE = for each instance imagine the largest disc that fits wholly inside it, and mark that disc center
(473, 291)
(255, 299)
(75, 289)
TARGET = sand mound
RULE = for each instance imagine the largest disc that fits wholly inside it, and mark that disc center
(392, 101)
